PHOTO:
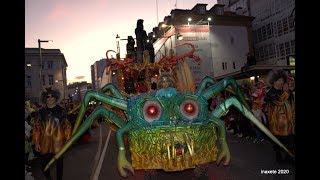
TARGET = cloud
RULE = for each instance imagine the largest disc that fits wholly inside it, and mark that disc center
(58, 12)
(79, 77)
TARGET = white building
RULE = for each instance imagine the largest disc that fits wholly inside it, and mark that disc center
(273, 28)
(222, 43)
(96, 73)
(53, 72)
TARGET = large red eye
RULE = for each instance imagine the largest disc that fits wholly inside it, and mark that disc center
(189, 108)
(151, 110)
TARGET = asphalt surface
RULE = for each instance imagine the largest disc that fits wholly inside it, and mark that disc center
(249, 161)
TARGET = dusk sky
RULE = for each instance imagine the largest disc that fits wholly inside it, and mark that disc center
(85, 29)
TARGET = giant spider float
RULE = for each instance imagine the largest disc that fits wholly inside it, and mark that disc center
(172, 133)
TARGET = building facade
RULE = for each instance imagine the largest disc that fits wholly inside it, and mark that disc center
(52, 70)
(97, 70)
(77, 90)
(273, 28)
(222, 40)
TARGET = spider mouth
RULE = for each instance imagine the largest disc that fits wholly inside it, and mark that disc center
(172, 149)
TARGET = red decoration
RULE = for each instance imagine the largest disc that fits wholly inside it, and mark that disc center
(152, 110)
(189, 108)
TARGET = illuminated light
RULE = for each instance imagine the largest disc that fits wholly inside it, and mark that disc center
(28, 65)
(156, 75)
(209, 18)
(189, 20)
(113, 73)
(152, 110)
(122, 78)
(189, 108)
(252, 78)
(179, 36)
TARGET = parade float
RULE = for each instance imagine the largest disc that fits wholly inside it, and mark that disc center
(173, 131)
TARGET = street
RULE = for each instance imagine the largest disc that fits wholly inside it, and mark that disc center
(249, 161)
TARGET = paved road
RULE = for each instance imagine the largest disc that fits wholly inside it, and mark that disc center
(247, 162)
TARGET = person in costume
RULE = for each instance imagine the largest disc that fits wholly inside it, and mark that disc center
(51, 130)
(280, 113)
(166, 87)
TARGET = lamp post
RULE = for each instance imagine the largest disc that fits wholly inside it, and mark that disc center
(40, 71)
(118, 46)
(63, 87)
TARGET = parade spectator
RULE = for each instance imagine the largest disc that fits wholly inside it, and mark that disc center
(280, 114)
(51, 130)
(257, 111)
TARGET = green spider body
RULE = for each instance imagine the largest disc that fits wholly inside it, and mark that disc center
(174, 141)
(172, 132)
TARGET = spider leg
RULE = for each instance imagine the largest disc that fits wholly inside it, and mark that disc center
(222, 85)
(206, 80)
(99, 111)
(225, 153)
(100, 96)
(222, 109)
(123, 163)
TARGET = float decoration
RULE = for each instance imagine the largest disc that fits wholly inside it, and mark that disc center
(171, 133)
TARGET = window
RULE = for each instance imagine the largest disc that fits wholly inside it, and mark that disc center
(223, 65)
(277, 50)
(202, 10)
(234, 65)
(43, 80)
(51, 80)
(282, 52)
(264, 33)
(271, 51)
(291, 23)
(287, 46)
(50, 64)
(259, 35)
(269, 31)
(275, 29)
(28, 82)
(279, 27)
(285, 26)
(266, 51)
(293, 48)
(261, 52)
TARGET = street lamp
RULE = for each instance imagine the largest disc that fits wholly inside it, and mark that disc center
(118, 46)
(40, 71)
(63, 87)
(189, 20)
(209, 19)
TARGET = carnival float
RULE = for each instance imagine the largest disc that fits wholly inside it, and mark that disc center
(173, 130)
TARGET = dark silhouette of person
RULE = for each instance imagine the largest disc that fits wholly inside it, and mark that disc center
(141, 38)
(150, 48)
(251, 60)
(130, 48)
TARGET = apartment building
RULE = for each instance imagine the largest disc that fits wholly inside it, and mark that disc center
(273, 28)
(52, 70)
